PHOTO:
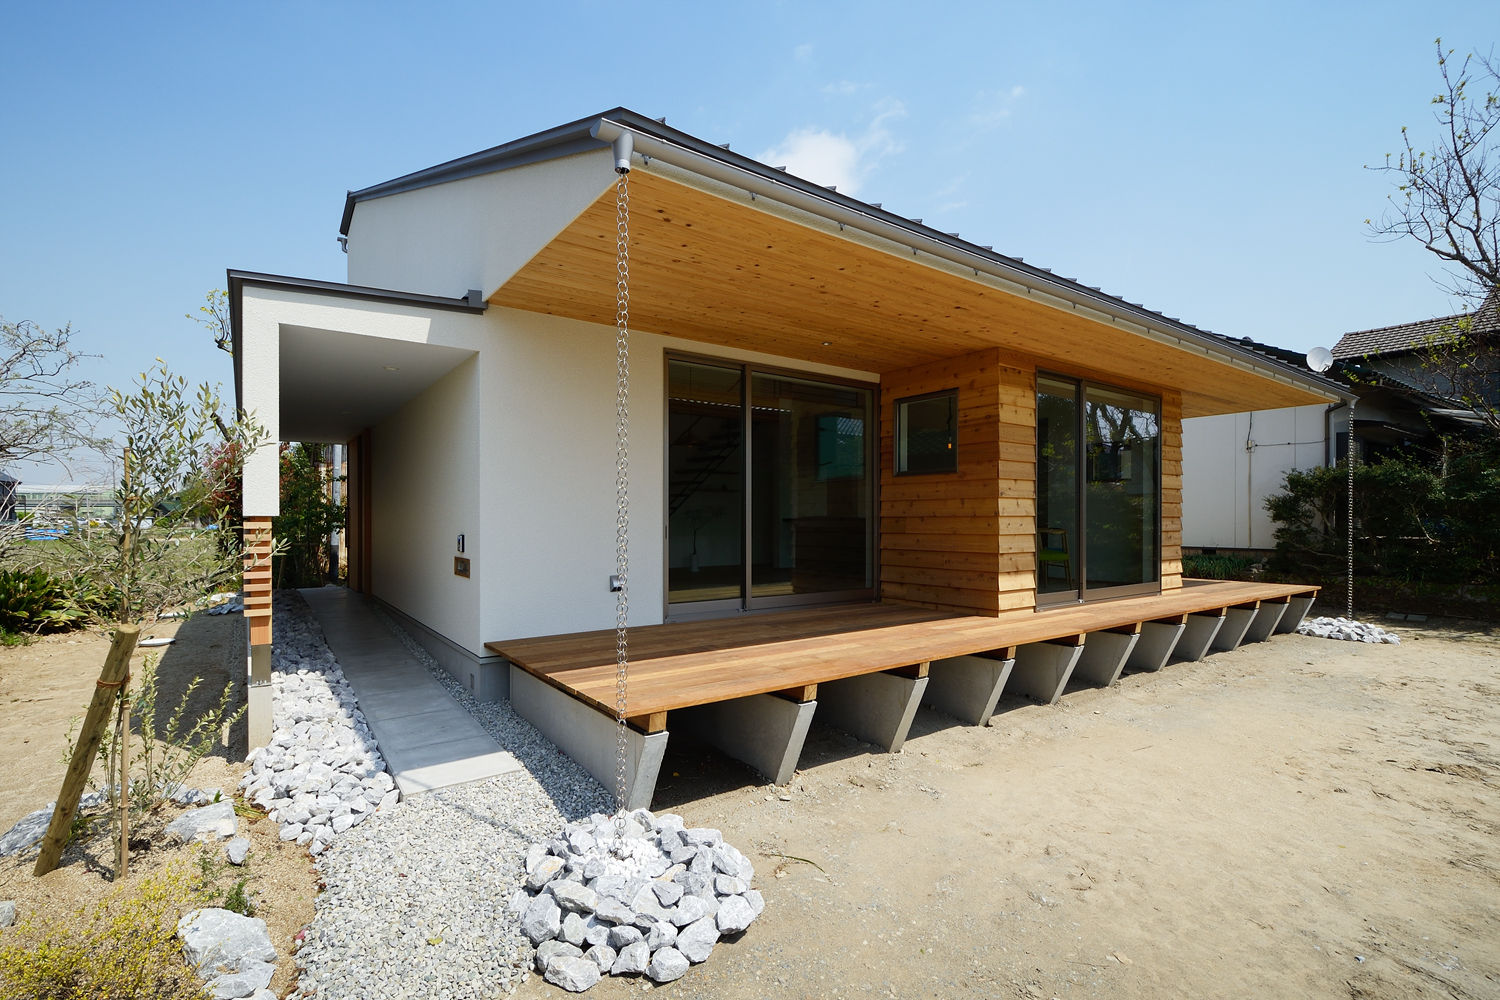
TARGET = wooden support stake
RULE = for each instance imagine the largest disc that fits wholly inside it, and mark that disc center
(122, 743)
(111, 679)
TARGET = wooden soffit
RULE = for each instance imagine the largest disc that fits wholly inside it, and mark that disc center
(728, 273)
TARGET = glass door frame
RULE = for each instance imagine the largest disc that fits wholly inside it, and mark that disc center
(1083, 594)
(747, 602)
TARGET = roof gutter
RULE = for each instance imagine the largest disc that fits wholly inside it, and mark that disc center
(1022, 279)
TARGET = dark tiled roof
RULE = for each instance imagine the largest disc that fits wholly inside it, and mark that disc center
(1406, 336)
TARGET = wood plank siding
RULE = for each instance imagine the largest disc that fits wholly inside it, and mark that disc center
(963, 541)
(1171, 490)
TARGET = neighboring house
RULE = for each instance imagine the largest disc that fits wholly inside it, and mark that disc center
(1232, 462)
(828, 402)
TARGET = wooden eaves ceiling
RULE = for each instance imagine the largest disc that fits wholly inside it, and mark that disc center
(727, 273)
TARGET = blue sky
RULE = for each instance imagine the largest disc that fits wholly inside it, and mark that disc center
(1203, 159)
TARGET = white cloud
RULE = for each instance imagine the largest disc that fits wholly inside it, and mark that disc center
(826, 157)
(991, 107)
(843, 88)
(803, 53)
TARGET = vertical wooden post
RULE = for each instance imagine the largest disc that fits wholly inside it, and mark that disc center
(111, 679)
(122, 743)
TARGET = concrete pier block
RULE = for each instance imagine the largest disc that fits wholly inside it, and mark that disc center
(762, 730)
(1103, 657)
(1296, 610)
(588, 736)
(1197, 636)
(877, 708)
(1266, 620)
(967, 687)
(1236, 623)
(1155, 646)
(1042, 670)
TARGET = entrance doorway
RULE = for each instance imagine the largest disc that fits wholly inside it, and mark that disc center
(769, 488)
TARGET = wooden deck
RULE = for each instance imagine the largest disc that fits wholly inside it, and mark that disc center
(682, 665)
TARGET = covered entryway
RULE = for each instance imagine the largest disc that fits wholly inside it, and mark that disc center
(326, 363)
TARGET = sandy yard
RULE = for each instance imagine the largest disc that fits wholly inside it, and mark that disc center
(47, 684)
(1296, 818)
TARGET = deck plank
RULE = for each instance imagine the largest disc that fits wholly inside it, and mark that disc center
(683, 664)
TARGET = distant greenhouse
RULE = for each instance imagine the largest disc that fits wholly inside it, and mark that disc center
(64, 501)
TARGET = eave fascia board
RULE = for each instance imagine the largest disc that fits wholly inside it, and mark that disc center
(652, 139)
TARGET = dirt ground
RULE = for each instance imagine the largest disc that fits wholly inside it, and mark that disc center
(46, 685)
(1296, 818)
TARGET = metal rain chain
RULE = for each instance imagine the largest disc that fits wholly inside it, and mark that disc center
(622, 462)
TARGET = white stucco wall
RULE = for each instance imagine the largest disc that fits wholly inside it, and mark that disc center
(260, 396)
(471, 233)
(1231, 463)
(424, 493)
(547, 405)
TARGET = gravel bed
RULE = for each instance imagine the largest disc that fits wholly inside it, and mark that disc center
(414, 898)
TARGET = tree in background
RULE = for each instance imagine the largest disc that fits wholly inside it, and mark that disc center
(46, 412)
(1447, 198)
(309, 514)
(213, 316)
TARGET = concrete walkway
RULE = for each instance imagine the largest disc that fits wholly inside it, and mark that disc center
(428, 740)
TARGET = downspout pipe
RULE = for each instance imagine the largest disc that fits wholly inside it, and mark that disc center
(624, 145)
(1330, 450)
(648, 146)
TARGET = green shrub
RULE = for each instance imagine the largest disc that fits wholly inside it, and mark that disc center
(1412, 522)
(1217, 566)
(34, 601)
(161, 759)
(122, 947)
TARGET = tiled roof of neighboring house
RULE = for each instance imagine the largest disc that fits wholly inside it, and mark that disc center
(1406, 336)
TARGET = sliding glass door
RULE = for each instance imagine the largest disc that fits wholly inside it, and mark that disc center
(769, 488)
(1098, 491)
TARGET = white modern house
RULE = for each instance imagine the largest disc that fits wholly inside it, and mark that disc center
(830, 406)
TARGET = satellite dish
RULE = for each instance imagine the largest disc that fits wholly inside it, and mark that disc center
(1320, 359)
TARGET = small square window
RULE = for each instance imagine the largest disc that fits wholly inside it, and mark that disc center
(927, 433)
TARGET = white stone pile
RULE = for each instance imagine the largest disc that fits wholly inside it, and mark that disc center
(322, 772)
(1348, 630)
(650, 899)
(232, 953)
